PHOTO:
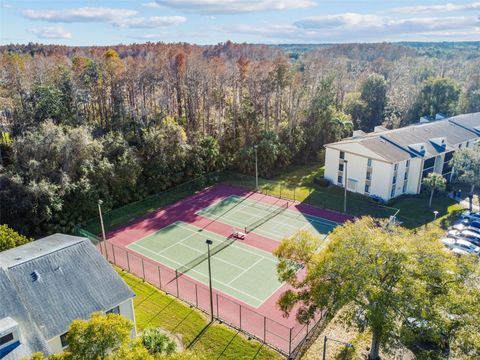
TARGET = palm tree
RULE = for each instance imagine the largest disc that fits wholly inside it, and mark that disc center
(434, 181)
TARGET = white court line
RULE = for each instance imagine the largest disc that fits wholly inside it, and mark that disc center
(245, 270)
(201, 274)
(216, 258)
(242, 248)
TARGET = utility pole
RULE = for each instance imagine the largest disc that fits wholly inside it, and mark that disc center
(209, 242)
(345, 173)
(256, 166)
(104, 237)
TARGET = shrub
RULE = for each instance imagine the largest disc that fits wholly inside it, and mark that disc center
(9, 238)
(321, 181)
(156, 342)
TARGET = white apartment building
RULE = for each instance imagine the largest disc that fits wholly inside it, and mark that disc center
(48, 283)
(388, 163)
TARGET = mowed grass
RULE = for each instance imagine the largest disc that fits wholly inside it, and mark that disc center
(414, 210)
(153, 308)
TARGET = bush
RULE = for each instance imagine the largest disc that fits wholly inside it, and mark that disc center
(321, 181)
(156, 342)
(9, 238)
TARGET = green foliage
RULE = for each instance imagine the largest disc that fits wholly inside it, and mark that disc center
(96, 338)
(368, 110)
(9, 238)
(466, 163)
(438, 95)
(434, 181)
(383, 276)
(157, 342)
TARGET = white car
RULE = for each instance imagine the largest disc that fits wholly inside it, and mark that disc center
(468, 235)
(474, 216)
(463, 245)
(462, 227)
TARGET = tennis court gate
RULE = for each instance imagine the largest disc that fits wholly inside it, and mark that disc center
(286, 340)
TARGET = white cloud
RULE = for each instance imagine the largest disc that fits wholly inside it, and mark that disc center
(50, 32)
(235, 6)
(437, 8)
(151, 5)
(84, 14)
(151, 22)
(352, 27)
(7, 6)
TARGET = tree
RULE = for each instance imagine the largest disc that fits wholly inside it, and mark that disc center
(382, 276)
(466, 163)
(9, 238)
(434, 181)
(368, 110)
(438, 95)
(96, 338)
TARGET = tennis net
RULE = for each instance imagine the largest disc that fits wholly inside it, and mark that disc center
(198, 260)
(257, 223)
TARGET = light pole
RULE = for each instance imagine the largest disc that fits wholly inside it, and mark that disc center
(435, 213)
(256, 166)
(345, 166)
(104, 237)
(209, 242)
(348, 345)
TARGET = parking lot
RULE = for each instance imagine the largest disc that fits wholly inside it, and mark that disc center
(463, 237)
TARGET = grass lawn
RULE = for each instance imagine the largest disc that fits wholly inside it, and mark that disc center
(297, 181)
(153, 308)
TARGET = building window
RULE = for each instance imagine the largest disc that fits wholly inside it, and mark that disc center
(63, 340)
(395, 167)
(369, 175)
(468, 144)
(392, 194)
(459, 146)
(367, 189)
(340, 179)
(342, 155)
(404, 187)
(408, 163)
(405, 177)
(115, 310)
(340, 167)
(394, 180)
(369, 162)
(6, 339)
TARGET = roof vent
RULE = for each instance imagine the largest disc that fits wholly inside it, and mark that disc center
(35, 276)
(357, 133)
(379, 128)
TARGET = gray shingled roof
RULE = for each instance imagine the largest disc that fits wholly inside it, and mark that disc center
(74, 281)
(12, 306)
(394, 145)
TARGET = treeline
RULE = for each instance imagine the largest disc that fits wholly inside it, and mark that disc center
(119, 123)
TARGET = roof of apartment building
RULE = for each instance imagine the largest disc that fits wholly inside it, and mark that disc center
(417, 140)
(50, 282)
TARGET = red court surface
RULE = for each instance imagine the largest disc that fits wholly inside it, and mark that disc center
(266, 322)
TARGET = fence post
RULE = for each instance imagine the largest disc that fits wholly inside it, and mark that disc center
(128, 261)
(143, 269)
(240, 308)
(264, 329)
(176, 280)
(196, 296)
(159, 278)
(216, 296)
(290, 344)
(113, 252)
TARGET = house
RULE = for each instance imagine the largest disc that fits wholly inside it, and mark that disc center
(48, 283)
(388, 163)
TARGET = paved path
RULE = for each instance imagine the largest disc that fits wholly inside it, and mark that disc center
(464, 201)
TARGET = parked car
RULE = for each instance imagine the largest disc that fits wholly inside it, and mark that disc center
(462, 227)
(471, 223)
(463, 245)
(464, 234)
(474, 216)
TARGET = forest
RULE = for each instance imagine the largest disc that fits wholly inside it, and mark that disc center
(120, 123)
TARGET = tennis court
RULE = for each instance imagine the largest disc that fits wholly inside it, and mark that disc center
(274, 221)
(238, 270)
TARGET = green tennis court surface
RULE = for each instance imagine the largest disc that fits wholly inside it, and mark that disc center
(239, 270)
(241, 212)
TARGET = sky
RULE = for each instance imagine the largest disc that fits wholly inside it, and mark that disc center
(76, 22)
